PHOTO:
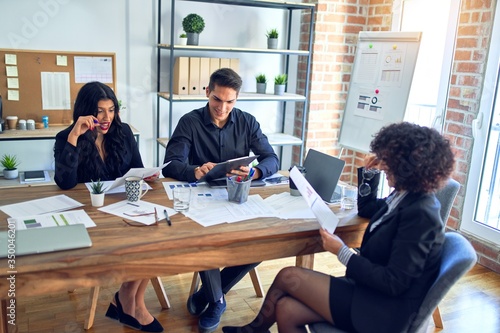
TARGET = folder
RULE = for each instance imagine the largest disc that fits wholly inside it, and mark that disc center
(234, 64)
(194, 76)
(181, 74)
(214, 64)
(225, 63)
(204, 74)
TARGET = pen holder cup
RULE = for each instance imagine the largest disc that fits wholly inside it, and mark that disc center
(237, 191)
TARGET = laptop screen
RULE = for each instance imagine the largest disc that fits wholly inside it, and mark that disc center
(323, 173)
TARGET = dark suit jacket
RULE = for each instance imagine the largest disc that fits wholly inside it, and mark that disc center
(398, 261)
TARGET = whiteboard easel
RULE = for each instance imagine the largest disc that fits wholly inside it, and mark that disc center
(380, 85)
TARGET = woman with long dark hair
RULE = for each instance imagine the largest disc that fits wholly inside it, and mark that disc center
(99, 146)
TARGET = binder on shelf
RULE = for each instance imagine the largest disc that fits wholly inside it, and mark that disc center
(214, 64)
(194, 76)
(225, 63)
(234, 64)
(204, 74)
(181, 75)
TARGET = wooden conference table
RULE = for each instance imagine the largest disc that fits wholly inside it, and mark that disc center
(121, 252)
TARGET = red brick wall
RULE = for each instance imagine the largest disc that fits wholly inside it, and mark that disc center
(337, 24)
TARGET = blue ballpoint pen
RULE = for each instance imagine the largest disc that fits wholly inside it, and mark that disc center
(167, 217)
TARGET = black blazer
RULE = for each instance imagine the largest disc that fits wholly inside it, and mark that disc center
(67, 159)
(398, 261)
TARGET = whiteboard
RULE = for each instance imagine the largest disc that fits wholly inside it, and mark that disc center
(380, 85)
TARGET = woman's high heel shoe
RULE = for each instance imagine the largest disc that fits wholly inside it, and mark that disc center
(112, 312)
(153, 326)
(124, 318)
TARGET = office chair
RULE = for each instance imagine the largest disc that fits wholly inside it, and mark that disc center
(457, 259)
(446, 197)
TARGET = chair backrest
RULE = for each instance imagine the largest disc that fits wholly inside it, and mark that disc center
(457, 259)
(446, 197)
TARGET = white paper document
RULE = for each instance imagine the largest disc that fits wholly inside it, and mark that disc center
(57, 203)
(290, 207)
(53, 220)
(135, 172)
(323, 213)
(140, 211)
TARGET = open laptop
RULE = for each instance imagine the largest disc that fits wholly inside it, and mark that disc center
(323, 173)
(43, 240)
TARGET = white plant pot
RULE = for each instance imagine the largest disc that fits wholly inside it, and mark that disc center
(97, 199)
(272, 43)
(182, 41)
(261, 88)
(10, 174)
(279, 89)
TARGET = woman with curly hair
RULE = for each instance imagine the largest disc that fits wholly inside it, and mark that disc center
(399, 258)
(99, 146)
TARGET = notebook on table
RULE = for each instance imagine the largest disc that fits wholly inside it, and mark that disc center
(323, 173)
(43, 240)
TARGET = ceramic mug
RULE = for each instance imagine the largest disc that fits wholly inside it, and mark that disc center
(133, 188)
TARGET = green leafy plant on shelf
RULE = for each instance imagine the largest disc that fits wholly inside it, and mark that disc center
(273, 33)
(280, 79)
(193, 23)
(183, 35)
(97, 187)
(261, 78)
(9, 162)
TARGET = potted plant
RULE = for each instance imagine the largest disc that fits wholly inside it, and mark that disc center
(183, 39)
(97, 193)
(261, 81)
(193, 25)
(272, 39)
(10, 164)
(279, 84)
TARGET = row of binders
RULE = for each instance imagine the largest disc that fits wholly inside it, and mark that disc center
(192, 74)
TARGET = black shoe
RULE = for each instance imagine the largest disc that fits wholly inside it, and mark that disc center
(210, 319)
(153, 326)
(197, 303)
(112, 312)
(124, 318)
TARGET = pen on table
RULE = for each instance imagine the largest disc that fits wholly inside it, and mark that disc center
(167, 217)
(129, 203)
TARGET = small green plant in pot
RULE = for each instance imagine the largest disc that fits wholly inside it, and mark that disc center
(10, 164)
(97, 193)
(183, 39)
(272, 39)
(193, 25)
(261, 81)
(280, 83)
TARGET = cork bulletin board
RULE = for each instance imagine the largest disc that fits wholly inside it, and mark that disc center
(45, 83)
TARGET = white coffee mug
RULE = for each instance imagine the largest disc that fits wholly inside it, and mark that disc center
(133, 188)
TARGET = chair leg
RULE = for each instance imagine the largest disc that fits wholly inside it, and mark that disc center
(436, 316)
(257, 285)
(195, 282)
(254, 275)
(89, 318)
(160, 292)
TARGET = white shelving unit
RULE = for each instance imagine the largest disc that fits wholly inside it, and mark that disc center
(276, 139)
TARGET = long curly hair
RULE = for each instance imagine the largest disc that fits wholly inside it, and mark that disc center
(89, 165)
(419, 158)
